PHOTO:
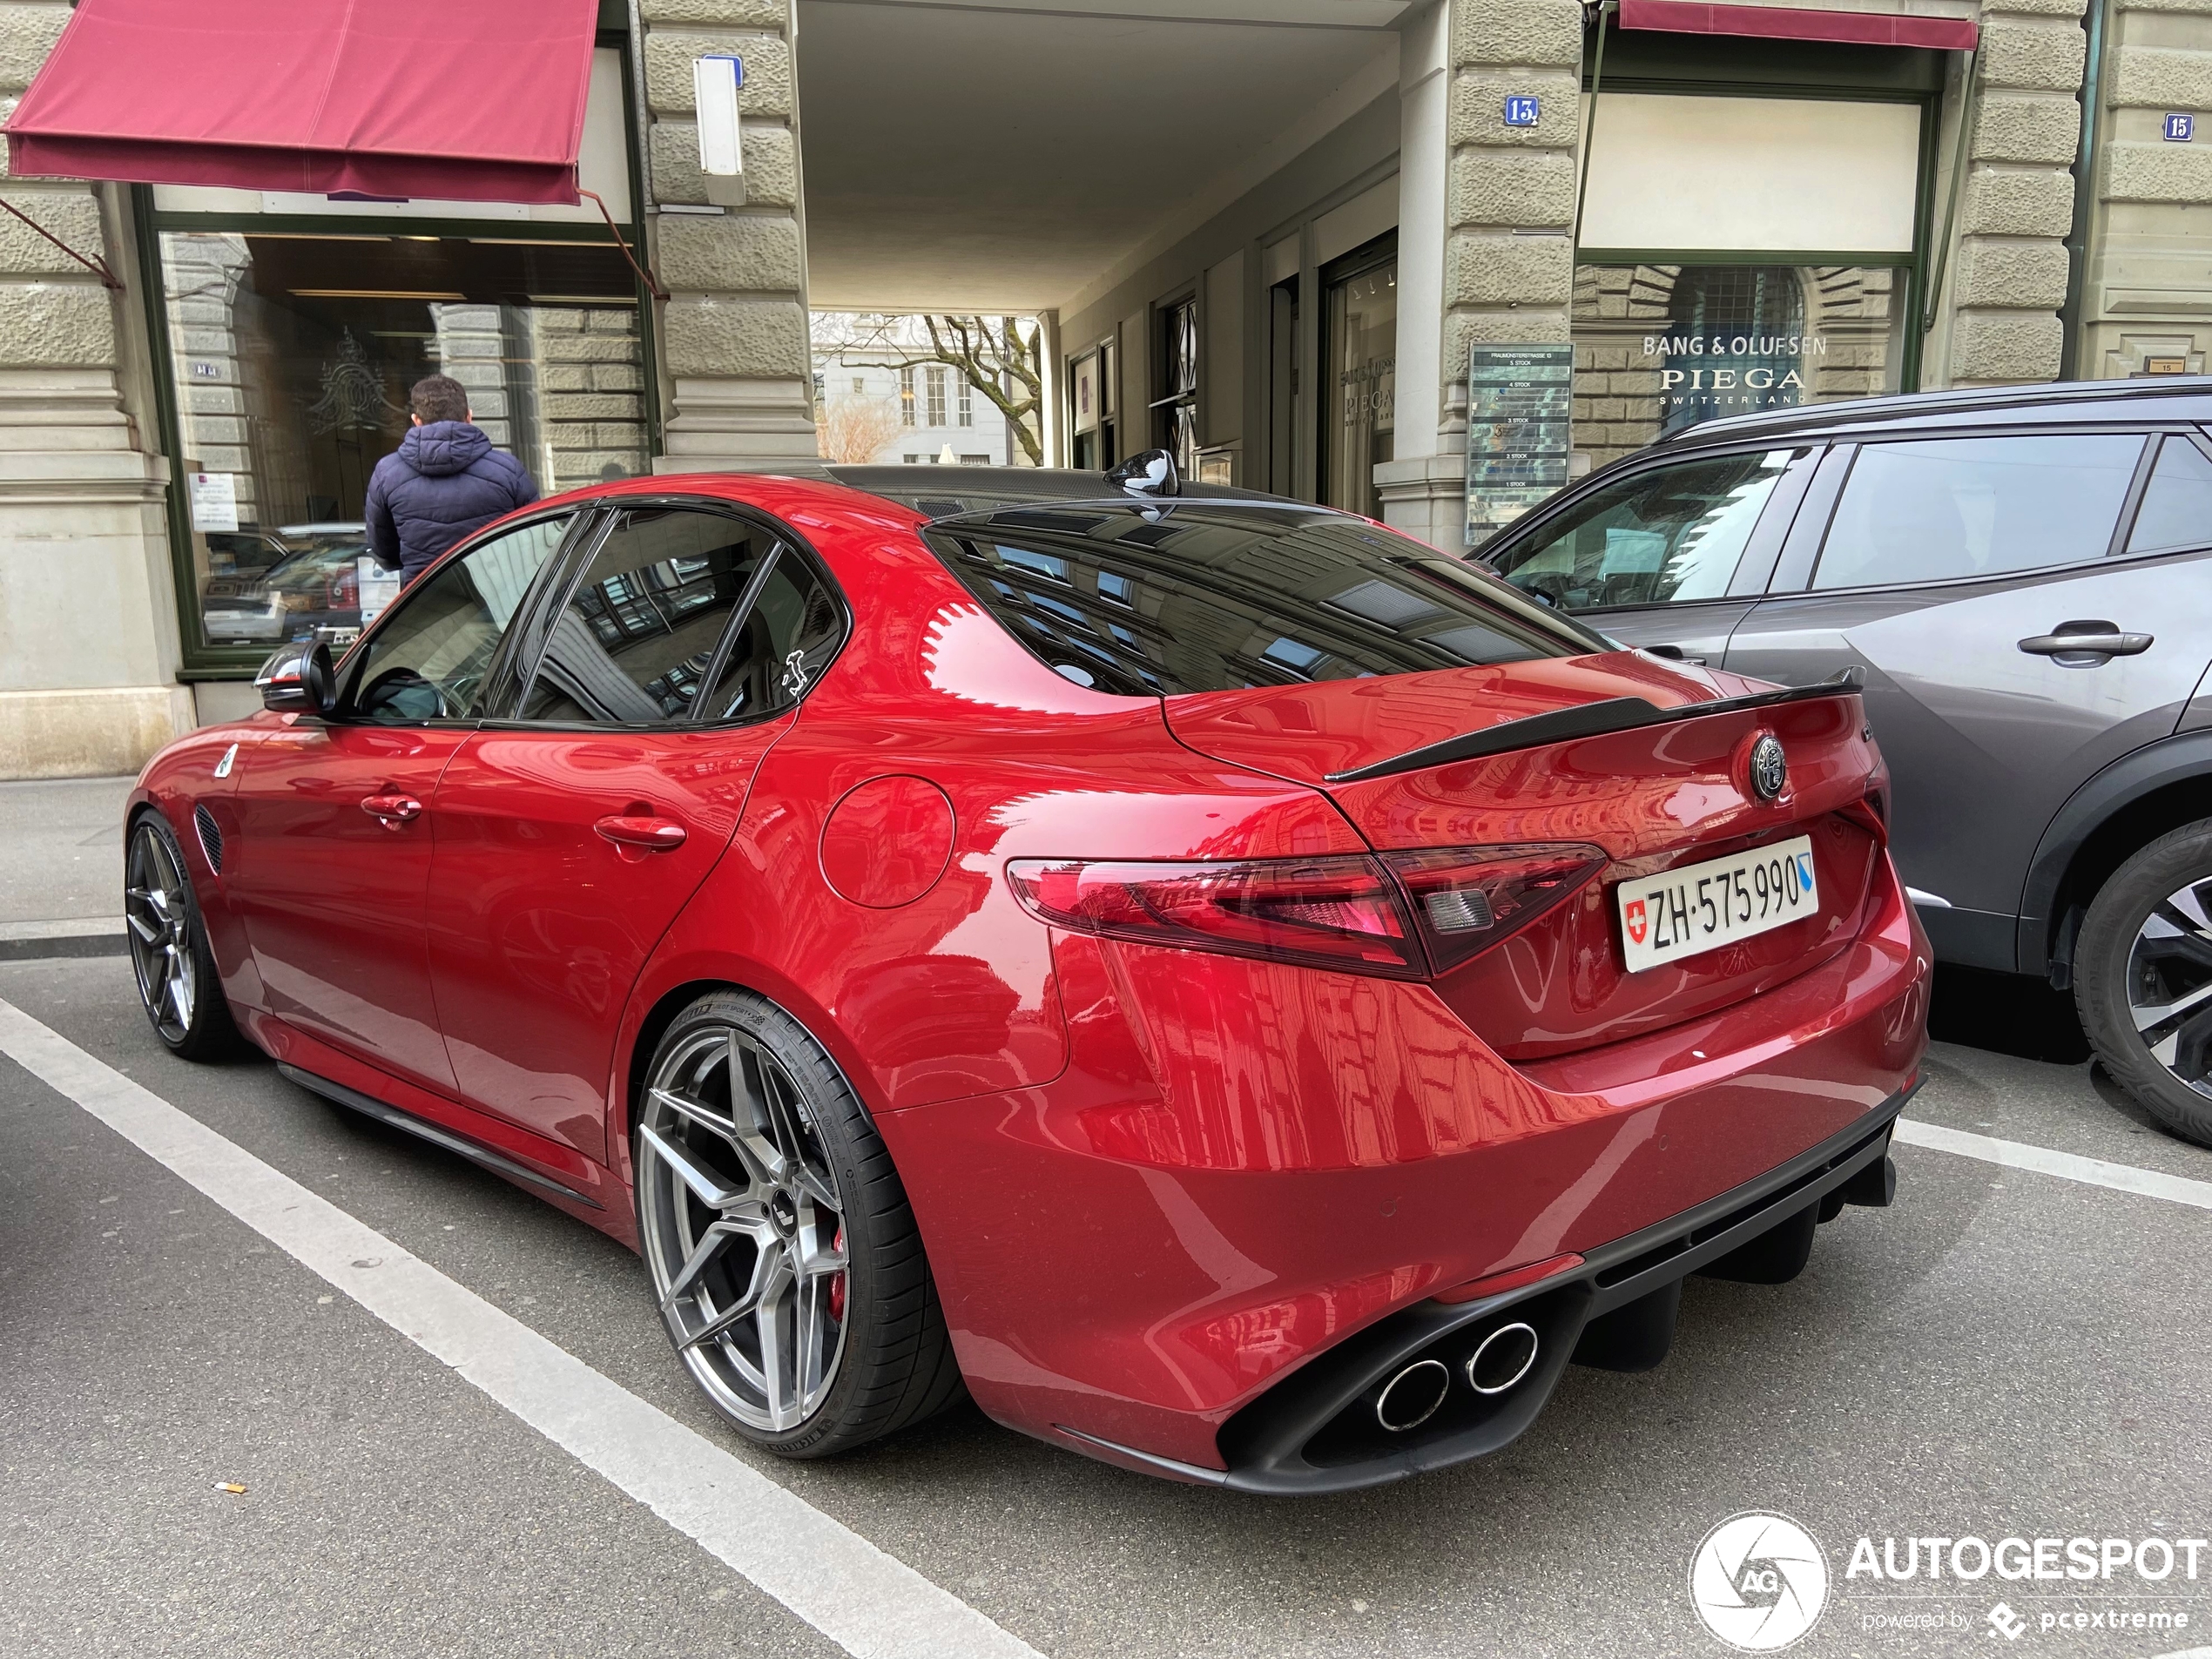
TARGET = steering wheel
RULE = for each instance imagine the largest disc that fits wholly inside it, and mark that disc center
(387, 688)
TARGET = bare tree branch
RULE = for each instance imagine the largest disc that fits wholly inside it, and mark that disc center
(1000, 357)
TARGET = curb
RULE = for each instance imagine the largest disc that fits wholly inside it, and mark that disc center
(27, 941)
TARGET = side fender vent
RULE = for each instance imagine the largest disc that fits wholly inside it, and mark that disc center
(211, 837)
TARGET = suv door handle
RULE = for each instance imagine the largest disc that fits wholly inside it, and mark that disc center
(2087, 639)
(1675, 654)
(392, 811)
(646, 834)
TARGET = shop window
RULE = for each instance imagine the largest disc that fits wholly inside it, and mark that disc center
(1661, 347)
(292, 358)
(1361, 345)
(1178, 429)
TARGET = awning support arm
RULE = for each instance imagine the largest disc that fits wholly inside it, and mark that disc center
(643, 276)
(96, 266)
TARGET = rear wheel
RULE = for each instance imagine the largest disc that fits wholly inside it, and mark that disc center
(2142, 977)
(178, 984)
(782, 1248)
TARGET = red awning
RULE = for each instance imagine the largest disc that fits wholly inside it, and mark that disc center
(1870, 28)
(471, 100)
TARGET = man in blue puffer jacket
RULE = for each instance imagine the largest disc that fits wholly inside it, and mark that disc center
(444, 482)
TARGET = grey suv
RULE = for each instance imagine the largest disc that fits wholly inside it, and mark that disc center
(2024, 579)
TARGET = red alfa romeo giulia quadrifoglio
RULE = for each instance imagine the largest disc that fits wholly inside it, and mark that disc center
(1247, 997)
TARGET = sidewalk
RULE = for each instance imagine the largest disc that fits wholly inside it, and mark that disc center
(61, 868)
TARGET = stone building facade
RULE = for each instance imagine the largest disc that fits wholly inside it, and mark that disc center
(1707, 221)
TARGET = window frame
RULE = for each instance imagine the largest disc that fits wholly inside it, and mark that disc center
(199, 660)
(578, 555)
(1795, 575)
(1762, 549)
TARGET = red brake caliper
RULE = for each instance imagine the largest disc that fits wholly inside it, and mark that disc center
(837, 1285)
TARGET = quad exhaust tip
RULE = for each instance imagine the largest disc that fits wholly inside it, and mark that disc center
(1411, 1398)
(1502, 1359)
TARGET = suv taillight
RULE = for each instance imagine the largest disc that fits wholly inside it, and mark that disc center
(1406, 915)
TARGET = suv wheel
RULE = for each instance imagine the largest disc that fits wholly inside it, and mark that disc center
(783, 1253)
(2142, 978)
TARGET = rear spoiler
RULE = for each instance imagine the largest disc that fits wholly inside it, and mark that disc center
(1584, 720)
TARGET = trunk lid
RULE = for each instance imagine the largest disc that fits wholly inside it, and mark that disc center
(1651, 797)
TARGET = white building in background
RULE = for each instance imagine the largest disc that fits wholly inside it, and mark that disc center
(937, 410)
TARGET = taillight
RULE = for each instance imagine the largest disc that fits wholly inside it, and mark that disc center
(1468, 898)
(1406, 915)
(1326, 912)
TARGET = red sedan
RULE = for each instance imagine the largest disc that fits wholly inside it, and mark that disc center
(1244, 996)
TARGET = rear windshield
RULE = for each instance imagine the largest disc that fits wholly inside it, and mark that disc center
(1203, 597)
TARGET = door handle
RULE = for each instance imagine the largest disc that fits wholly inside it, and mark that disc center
(646, 834)
(1675, 654)
(392, 811)
(2087, 639)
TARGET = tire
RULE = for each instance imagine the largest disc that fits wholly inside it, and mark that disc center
(179, 986)
(2142, 979)
(779, 1239)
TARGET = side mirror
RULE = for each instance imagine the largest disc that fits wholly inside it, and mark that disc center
(299, 679)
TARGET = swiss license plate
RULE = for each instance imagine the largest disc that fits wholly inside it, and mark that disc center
(1699, 907)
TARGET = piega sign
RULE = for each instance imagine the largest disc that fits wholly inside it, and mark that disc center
(1704, 375)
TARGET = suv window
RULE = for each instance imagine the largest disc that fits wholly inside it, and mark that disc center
(1200, 595)
(1935, 510)
(2177, 503)
(1667, 535)
(432, 658)
(637, 636)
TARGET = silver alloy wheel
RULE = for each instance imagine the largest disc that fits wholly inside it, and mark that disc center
(156, 911)
(2169, 984)
(743, 1228)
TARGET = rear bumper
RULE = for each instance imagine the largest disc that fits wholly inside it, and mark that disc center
(1268, 1446)
(1251, 1180)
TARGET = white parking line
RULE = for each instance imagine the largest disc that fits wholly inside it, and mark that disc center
(869, 1603)
(2017, 1155)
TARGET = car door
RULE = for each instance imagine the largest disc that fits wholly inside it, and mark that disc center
(1952, 574)
(1671, 555)
(331, 855)
(570, 835)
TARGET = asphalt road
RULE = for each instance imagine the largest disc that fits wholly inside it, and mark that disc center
(2001, 1353)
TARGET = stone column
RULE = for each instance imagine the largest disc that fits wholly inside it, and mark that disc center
(2147, 288)
(88, 623)
(1509, 214)
(739, 388)
(2009, 267)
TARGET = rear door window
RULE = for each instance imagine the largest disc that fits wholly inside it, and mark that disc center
(638, 638)
(1667, 534)
(1196, 596)
(2176, 512)
(1943, 509)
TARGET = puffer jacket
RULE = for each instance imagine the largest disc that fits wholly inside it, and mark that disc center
(443, 481)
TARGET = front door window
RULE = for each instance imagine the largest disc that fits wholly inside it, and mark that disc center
(1664, 536)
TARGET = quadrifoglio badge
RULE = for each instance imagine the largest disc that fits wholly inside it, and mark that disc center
(1760, 1582)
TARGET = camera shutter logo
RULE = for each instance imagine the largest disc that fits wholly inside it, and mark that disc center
(1759, 1581)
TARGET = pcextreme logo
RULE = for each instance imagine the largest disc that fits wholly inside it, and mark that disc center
(1759, 1581)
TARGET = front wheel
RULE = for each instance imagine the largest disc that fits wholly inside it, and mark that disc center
(783, 1253)
(2142, 979)
(178, 984)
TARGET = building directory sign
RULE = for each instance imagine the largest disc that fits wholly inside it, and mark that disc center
(1519, 417)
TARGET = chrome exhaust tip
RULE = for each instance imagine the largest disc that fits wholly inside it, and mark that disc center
(1411, 1398)
(1502, 1359)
